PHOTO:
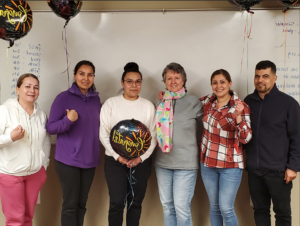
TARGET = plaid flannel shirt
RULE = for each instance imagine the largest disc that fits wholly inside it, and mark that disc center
(222, 139)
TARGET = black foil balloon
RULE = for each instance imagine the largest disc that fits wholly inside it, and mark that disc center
(130, 138)
(65, 9)
(245, 4)
(15, 20)
(289, 4)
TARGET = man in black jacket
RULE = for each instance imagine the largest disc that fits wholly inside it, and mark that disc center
(273, 154)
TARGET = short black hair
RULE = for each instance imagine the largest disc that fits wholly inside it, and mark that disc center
(266, 64)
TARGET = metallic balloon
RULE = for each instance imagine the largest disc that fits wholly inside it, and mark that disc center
(245, 4)
(65, 9)
(130, 138)
(15, 20)
(290, 4)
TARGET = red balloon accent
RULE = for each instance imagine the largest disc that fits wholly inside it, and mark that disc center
(66, 10)
(2, 33)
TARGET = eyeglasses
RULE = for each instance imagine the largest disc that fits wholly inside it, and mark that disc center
(131, 82)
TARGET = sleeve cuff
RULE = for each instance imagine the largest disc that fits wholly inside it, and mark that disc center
(143, 157)
(241, 125)
(116, 156)
(7, 139)
(67, 121)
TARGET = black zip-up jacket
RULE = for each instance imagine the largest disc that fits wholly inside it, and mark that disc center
(275, 124)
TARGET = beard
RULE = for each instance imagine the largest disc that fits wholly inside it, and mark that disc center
(263, 89)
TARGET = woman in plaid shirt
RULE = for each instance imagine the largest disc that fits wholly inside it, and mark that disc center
(226, 122)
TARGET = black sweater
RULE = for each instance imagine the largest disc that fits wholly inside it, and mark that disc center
(275, 123)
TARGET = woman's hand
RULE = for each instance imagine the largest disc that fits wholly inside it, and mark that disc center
(122, 160)
(238, 111)
(17, 133)
(161, 95)
(72, 115)
(134, 162)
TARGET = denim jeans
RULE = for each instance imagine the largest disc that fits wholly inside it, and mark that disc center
(221, 186)
(176, 190)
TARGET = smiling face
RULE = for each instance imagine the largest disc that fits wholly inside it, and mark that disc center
(132, 85)
(174, 81)
(220, 85)
(84, 78)
(264, 81)
(29, 90)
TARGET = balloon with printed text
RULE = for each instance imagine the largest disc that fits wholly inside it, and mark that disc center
(289, 4)
(65, 9)
(15, 20)
(245, 4)
(130, 138)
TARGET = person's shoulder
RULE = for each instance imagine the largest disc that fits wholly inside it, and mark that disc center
(206, 99)
(193, 101)
(147, 102)
(191, 98)
(3, 108)
(287, 98)
(9, 105)
(63, 94)
(248, 97)
(202, 99)
(251, 100)
(112, 100)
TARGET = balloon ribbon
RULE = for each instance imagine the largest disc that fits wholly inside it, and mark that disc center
(64, 38)
(131, 181)
(248, 37)
(284, 43)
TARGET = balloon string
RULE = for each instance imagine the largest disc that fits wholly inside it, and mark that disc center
(64, 38)
(245, 31)
(284, 43)
(132, 181)
(245, 34)
(250, 26)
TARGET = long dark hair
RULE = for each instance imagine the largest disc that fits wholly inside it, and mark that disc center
(88, 63)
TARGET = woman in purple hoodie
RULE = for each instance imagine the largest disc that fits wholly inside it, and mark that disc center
(74, 117)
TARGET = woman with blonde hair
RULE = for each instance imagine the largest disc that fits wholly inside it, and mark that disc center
(24, 152)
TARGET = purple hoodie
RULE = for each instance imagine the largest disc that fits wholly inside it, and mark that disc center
(77, 142)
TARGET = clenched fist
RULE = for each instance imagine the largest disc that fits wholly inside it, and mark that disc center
(72, 115)
(17, 133)
(238, 111)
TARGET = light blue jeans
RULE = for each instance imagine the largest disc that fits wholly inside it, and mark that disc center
(221, 186)
(176, 190)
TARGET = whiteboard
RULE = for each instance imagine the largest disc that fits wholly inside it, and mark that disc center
(201, 42)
